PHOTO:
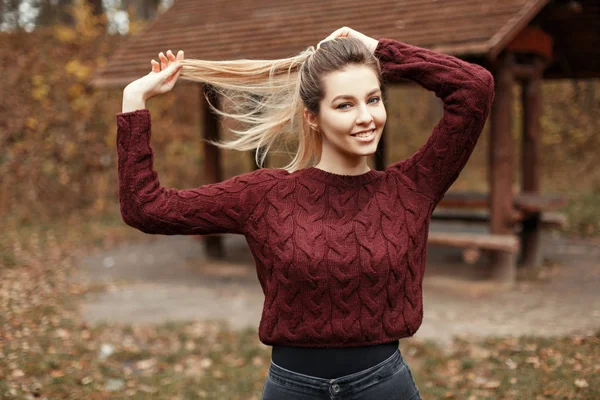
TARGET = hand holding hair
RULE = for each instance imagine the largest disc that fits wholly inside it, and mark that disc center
(160, 79)
(345, 32)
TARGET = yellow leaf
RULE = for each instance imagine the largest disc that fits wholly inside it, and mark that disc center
(70, 149)
(40, 93)
(31, 122)
(75, 90)
(100, 204)
(37, 80)
(40, 88)
(65, 34)
(48, 167)
(76, 68)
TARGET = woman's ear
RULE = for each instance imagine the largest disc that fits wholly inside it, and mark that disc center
(311, 119)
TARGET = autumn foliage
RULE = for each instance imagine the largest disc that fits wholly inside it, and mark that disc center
(58, 134)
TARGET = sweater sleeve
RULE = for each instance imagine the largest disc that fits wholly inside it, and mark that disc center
(221, 207)
(467, 91)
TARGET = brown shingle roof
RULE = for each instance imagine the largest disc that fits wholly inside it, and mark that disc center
(228, 29)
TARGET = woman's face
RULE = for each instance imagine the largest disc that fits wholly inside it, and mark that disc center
(352, 103)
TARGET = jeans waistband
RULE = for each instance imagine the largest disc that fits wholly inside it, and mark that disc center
(350, 382)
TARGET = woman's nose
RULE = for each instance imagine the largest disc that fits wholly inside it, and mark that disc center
(364, 116)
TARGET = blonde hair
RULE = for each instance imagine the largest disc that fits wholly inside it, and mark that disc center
(267, 97)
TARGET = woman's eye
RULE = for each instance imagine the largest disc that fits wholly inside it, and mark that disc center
(372, 100)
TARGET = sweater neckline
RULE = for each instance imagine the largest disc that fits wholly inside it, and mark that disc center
(343, 180)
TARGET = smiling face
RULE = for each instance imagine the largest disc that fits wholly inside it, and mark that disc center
(352, 103)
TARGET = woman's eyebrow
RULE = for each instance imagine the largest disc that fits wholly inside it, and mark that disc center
(347, 96)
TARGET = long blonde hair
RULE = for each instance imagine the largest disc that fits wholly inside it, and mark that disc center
(267, 97)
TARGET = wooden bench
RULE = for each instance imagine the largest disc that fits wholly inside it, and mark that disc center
(504, 246)
(548, 219)
(525, 202)
(531, 212)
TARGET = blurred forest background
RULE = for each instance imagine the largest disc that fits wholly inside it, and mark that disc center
(59, 202)
(57, 134)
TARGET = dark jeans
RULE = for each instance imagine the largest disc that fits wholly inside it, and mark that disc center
(391, 379)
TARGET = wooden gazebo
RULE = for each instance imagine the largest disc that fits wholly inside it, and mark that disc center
(517, 40)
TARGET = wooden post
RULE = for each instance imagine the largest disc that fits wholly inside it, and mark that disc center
(380, 155)
(379, 162)
(501, 167)
(253, 158)
(212, 165)
(531, 254)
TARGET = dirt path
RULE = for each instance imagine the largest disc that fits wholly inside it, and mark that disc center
(168, 278)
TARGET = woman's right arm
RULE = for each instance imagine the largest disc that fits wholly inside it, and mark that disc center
(221, 207)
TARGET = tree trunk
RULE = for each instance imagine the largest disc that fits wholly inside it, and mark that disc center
(51, 14)
(141, 9)
(64, 12)
(97, 8)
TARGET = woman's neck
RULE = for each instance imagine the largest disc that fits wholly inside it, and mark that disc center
(358, 170)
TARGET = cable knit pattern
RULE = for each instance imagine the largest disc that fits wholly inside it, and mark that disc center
(340, 258)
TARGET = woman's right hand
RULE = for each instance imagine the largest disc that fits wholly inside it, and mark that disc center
(349, 32)
(160, 79)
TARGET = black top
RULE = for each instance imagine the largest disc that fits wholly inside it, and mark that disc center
(331, 362)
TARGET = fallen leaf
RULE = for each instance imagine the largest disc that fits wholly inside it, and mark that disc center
(57, 373)
(495, 384)
(581, 383)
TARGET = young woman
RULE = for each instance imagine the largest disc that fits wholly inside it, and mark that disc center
(339, 248)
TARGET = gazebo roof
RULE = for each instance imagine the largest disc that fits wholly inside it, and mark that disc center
(228, 29)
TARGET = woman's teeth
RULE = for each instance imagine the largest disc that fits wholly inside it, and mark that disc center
(365, 134)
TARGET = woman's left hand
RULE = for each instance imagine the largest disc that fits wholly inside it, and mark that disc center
(349, 32)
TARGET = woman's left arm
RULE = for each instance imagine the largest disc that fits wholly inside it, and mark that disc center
(467, 91)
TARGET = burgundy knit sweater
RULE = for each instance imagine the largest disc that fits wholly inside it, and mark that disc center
(340, 258)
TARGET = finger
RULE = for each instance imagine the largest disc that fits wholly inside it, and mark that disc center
(341, 32)
(180, 55)
(327, 39)
(170, 55)
(155, 66)
(164, 63)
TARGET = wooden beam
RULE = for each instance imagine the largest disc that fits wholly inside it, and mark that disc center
(531, 251)
(531, 135)
(501, 148)
(253, 158)
(212, 164)
(526, 202)
(501, 162)
(504, 243)
(549, 219)
(504, 247)
(533, 202)
(380, 153)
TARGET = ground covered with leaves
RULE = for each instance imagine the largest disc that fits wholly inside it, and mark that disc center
(63, 159)
(48, 352)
